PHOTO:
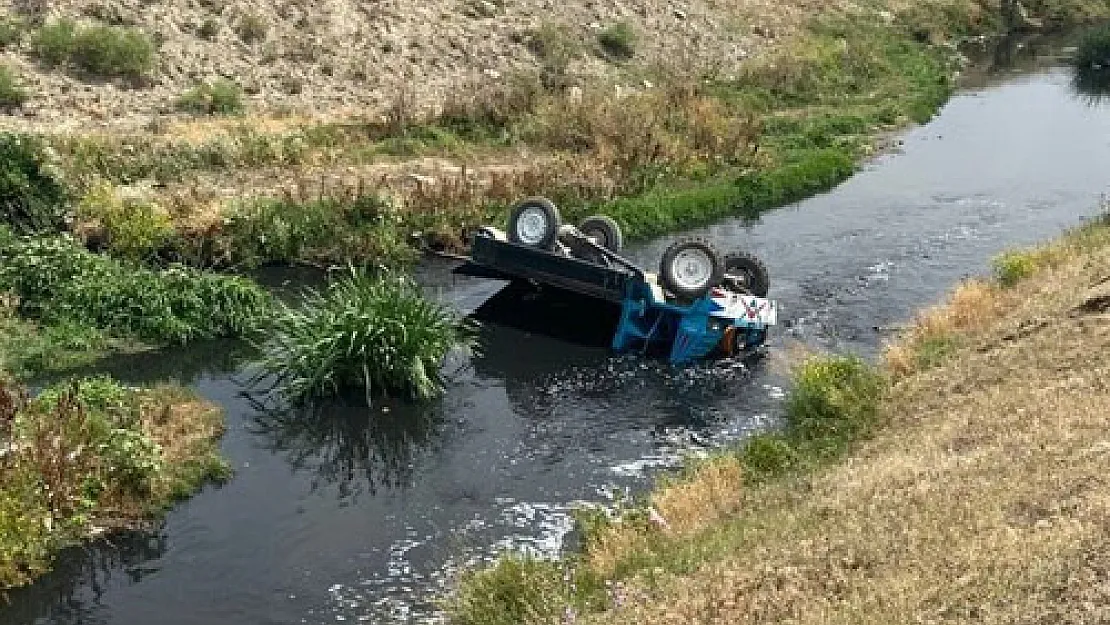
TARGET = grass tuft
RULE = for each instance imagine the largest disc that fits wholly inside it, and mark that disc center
(370, 332)
(1013, 267)
(12, 92)
(103, 51)
(221, 97)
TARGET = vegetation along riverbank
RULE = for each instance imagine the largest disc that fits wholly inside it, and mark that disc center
(940, 485)
(620, 117)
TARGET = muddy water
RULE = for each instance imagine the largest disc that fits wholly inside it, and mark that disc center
(350, 515)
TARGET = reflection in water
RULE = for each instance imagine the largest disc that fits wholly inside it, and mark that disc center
(71, 593)
(1091, 84)
(209, 358)
(344, 443)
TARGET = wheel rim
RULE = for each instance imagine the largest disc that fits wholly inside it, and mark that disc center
(531, 226)
(693, 269)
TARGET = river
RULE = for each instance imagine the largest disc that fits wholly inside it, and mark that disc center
(357, 515)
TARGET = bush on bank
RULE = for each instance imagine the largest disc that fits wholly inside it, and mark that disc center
(32, 196)
(58, 282)
(370, 332)
(89, 456)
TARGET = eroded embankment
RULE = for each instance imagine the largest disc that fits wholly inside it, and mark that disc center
(963, 481)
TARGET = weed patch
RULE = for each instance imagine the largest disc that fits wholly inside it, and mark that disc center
(618, 41)
(221, 97)
(374, 333)
(90, 455)
(335, 230)
(12, 32)
(32, 196)
(102, 51)
(1013, 267)
(12, 92)
(57, 282)
(125, 227)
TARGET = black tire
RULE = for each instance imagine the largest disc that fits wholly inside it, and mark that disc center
(746, 273)
(690, 268)
(605, 231)
(535, 222)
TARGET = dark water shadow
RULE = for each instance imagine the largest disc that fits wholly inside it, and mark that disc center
(345, 444)
(1092, 85)
(555, 313)
(71, 593)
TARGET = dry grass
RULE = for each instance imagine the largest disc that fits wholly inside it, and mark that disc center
(983, 500)
(973, 305)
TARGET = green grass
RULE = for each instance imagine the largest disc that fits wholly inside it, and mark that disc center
(58, 282)
(53, 42)
(101, 51)
(28, 349)
(618, 41)
(12, 32)
(1014, 266)
(374, 333)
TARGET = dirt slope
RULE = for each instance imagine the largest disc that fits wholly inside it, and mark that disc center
(350, 57)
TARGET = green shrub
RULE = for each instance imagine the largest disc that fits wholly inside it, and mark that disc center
(11, 32)
(131, 229)
(618, 41)
(1092, 52)
(113, 51)
(371, 332)
(58, 281)
(85, 454)
(54, 42)
(1013, 267)
(514, 591)
(12, 92)
(32, 198)
(99, 50)
(222, 97)
(209, 29)
(834, 401)
(768, 455)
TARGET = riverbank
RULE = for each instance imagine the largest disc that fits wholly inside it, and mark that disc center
(659, 144)
(960, 481)
(90, 457)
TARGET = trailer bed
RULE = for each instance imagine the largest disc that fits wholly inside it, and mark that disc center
(494, 257)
